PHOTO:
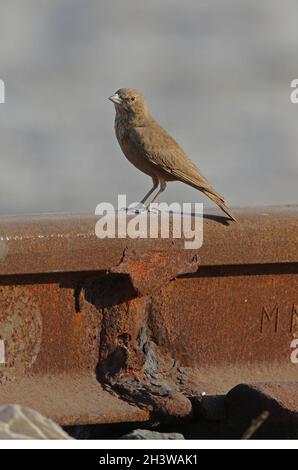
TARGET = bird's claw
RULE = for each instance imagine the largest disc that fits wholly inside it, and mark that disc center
(135, 209)
(154, 210)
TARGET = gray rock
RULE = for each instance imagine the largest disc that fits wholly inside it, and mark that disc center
(18, 422)
(145, 434)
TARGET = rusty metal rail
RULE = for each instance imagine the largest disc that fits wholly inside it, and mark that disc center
(103, 331)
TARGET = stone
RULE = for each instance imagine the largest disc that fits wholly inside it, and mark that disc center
(146, 434)
(18, 422)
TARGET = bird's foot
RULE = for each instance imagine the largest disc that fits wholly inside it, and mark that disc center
(135, 208)
(154, 210)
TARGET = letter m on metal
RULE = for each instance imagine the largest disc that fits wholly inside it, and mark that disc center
(270, 316)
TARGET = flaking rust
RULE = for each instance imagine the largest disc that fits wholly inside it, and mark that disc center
(130, 361)
(102, 331)
(149, 271)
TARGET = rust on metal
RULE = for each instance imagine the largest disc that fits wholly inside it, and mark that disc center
(149, 271)
(113, 330)
(67, 242)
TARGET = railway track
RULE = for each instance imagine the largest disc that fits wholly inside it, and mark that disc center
(96, 331)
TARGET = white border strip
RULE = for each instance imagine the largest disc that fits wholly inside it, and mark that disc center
(148, 444)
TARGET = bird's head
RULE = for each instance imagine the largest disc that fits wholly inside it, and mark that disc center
(130, 102)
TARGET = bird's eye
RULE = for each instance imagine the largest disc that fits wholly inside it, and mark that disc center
(132, 98)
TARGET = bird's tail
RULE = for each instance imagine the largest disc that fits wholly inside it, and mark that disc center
(215, 197)
(199, 182)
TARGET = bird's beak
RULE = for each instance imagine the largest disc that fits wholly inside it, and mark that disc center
(115, 99)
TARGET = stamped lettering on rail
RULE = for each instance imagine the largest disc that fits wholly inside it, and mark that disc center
(276, 319)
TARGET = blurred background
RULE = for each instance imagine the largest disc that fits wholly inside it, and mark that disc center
(216, 74)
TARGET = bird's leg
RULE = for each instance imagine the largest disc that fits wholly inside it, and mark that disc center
(162, 187)
(140, 206)
(155, 185)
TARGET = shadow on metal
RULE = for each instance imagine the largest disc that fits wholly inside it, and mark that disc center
(107, 331)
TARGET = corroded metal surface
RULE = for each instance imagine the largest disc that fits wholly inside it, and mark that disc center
(67, 242)
(99, 331)
(232, 327)
(71, 399)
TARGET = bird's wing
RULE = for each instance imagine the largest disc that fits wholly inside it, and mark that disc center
(160, 149)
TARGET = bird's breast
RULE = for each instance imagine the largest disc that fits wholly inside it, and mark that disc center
(131, 152)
